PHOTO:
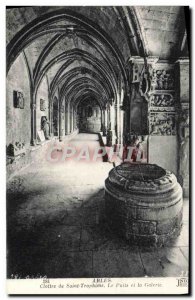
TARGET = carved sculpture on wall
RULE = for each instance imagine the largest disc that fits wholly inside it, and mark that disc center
(42, 105)
(135, 73)
(145, 83)
(162, 124)
(18, 99)
(45, 127)
(162, 100)
(156, 84)
(16, 149)
(162, 80)
(33, 106)
(162, 117)
(183, 130)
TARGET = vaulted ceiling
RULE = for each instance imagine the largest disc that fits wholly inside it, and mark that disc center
(83, 51)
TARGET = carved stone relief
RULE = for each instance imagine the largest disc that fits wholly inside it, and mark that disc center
(136, 72)
(162, 100)
(162, 123)
(163, 80)
(183, 130)
(145, 82)
(16, 149)
(157, 87)
(162, 116)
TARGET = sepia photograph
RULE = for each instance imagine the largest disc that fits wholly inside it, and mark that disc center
(98, 150)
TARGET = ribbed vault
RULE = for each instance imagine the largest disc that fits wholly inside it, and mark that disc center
(82, 53)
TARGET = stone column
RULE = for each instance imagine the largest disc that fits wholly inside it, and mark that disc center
(163, 141)
(111, 131)
(65, 122)
(60, 123)
(72, 123)
(104, 121)
(50, 117)
(33, 124)
(121, 118)
(121, 126)
(67, 119)
(70, 120)
(116, 111)
(75, 120)
(182, 73)
(153, 109)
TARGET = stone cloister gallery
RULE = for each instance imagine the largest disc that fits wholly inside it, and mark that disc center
(97, 104)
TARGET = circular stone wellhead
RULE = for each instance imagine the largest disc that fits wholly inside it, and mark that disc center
(144, 203)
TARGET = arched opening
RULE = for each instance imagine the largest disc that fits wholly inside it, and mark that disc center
(89, 115)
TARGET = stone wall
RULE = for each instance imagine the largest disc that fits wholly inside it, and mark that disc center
(42, 94)
(32, 155)
(18, 120)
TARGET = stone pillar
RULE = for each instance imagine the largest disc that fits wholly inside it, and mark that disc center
(72, 123)
(111, 136)
(153, 109)
(75, 120)
(106, 120)
(121, 126)
(67, 119)
(126, 117)
(163, 142)
(66, 129)
(117, 127)
(182, 73)
(121, 118)
(50, 118)
(70, 120)
(60, 123)
(33, 124)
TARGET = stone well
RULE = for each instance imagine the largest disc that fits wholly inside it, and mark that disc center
(143, 203)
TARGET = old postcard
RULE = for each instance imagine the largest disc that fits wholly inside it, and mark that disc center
(97, 149)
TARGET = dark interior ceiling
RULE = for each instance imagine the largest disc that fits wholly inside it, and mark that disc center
(83, 50)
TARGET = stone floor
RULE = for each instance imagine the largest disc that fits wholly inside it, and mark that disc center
(56, 226)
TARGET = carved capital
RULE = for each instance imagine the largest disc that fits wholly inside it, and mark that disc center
(163, 80)
(33, 106)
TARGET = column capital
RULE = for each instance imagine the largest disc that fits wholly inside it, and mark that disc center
(141, 60)
(183, 60)
(33, 106)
